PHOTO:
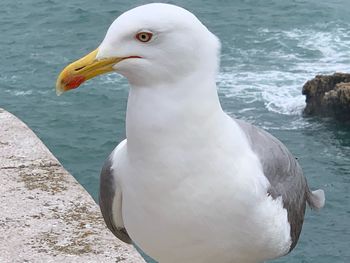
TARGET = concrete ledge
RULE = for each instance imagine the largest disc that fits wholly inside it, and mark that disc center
(45, 214)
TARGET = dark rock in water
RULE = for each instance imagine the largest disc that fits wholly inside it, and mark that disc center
(328, 95)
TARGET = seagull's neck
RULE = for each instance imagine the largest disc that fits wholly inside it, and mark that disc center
(171, 111)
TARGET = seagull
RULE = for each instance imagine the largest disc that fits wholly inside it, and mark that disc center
(189, 184)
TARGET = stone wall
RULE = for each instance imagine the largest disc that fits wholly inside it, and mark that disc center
(45, 214)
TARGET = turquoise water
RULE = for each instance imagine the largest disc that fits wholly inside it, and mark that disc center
(270, 48)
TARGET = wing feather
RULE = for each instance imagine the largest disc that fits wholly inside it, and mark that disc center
(284, 174)
(111, 201)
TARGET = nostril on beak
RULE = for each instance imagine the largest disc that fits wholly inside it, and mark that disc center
(77, 69)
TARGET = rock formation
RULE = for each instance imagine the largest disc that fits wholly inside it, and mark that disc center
(328, 95)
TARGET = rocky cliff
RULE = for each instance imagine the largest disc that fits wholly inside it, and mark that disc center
(328, 95)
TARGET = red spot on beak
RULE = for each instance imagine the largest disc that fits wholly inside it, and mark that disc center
(73, 82)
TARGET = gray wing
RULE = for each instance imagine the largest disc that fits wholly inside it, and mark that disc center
(285, 176)
(109, 193)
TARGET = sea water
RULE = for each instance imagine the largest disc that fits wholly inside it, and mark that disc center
(270, 49)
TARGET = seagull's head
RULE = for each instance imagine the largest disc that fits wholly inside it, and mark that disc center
(150, 45)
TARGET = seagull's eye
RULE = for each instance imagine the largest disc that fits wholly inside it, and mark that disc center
(144, 36)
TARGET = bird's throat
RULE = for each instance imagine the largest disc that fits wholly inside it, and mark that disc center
(172, 114)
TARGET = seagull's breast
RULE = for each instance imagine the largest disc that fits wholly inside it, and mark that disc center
(180, 200)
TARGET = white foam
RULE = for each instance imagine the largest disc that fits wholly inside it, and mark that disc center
(302, 54)
(279, 91)
(23, 93)
(19, 92)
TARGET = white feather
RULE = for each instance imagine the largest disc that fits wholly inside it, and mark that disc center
(193, 191)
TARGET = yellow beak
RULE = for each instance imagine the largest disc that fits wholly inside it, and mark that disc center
(83, 69)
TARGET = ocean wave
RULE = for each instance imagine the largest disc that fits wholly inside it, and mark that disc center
(19, 92)
(23, 93)
(300, 55)
(113, 82)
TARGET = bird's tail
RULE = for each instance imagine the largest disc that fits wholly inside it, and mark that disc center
(316, 199)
